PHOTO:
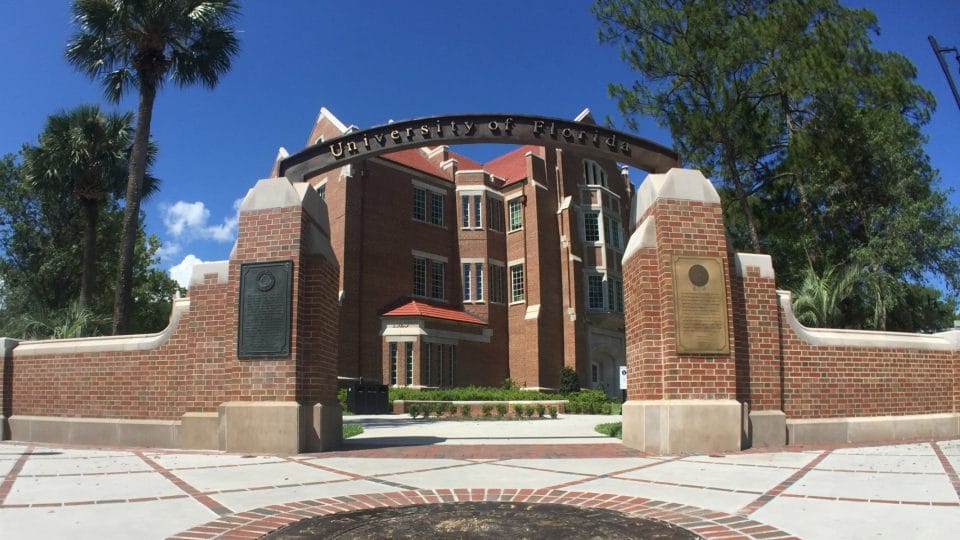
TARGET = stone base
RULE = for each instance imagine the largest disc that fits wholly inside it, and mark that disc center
(199, 431)
(682, 426)
(322, 427)
(873, 429)
(100, 431)
(767, 429)
(259, 427)
(4, 428)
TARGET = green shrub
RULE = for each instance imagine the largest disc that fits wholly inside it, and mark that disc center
(553, 411)
(501, 410)
(508, 384)
(606, 408)
(351, 430)
(572, 408)
(528, 411)
(342, 398)
(569, 380)
(518, 410)
(541, 410)
(613, 429)
(469, 393)
(465, 411)
(487, 409)
(439, 409)
(414, 410)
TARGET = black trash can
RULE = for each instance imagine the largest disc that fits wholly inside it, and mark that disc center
(366, 398)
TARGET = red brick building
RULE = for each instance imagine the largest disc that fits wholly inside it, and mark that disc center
(455, 272)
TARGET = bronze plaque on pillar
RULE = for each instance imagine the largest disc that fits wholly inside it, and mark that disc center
(700, 305)
(264, 319)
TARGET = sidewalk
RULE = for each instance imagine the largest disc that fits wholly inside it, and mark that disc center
(896, 491)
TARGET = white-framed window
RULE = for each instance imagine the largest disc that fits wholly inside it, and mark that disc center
(427, 366)
(595, 291)
(419, 276)
(478, 290)
(497, 284)
(515, 207)
(477, 204)
(436, 209)
(436, 280)
(611, 231)
(593, 173)
(615, 294)
(591, 227)
(409, 359)
(473, 281)
(495, 214)
(517, 288)
(470, 211)
(419, 204)
(393, 363)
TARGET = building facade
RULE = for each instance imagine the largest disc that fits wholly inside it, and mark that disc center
(455, 272)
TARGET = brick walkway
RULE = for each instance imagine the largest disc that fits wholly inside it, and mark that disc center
(896, 491)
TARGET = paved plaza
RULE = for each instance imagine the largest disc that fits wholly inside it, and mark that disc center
(895, 491)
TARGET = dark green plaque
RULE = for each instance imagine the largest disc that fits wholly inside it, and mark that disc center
(264, 322)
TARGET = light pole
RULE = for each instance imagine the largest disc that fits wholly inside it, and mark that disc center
(943, 64)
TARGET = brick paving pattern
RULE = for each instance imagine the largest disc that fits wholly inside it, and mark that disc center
(904, 490)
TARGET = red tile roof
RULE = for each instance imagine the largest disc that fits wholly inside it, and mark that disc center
(418, 308)
(415, 159)
(464, 163)
(512, 166)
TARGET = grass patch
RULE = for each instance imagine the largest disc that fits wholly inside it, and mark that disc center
(351, 430)
(613, 429)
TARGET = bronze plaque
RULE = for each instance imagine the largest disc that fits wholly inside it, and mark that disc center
(264, 321)
(700, 304)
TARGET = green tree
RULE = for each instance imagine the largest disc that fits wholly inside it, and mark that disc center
(813, 135)
(819, 302)
(82, 152)
(40, 263)
(138, 44)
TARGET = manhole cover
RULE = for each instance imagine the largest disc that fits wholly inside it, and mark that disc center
(493, 520)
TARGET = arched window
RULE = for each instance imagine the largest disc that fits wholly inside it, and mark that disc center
(593, 173)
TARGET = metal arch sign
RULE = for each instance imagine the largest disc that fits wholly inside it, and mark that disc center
(590, 140)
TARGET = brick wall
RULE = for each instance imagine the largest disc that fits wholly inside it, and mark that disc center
(197, 368)
(836, 381)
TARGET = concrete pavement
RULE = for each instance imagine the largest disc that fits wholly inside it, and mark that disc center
(896, 491)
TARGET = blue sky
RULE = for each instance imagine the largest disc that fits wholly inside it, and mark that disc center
(369, 62)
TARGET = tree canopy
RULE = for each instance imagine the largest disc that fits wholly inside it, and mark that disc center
(41, 262)
(813, 136)
(137, 44)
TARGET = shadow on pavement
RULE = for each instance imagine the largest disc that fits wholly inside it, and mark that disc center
(387, 442)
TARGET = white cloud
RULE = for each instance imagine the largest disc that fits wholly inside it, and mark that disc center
(192, 221)
(167, 250)
(181, 272)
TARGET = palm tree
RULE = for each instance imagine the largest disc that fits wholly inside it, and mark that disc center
(819, 300)
(137, 44)
(84, 154)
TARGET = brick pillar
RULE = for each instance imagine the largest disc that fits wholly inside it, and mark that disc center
(288, 404)
(6, 385)
(679, 402)
(759, 356)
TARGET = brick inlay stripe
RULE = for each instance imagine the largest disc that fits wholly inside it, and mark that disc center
(947, 467)
(11, 476)
(707, 523)
(193, 492)
(777, 490)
